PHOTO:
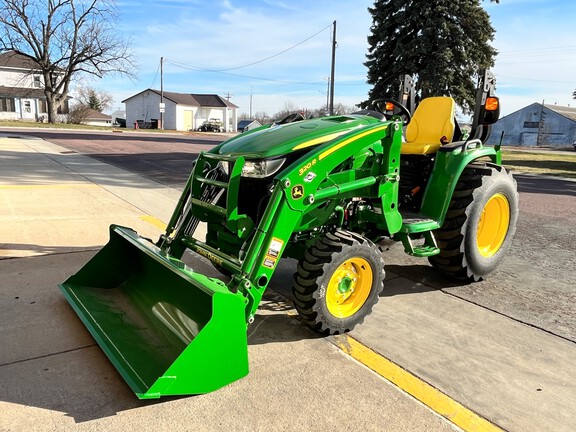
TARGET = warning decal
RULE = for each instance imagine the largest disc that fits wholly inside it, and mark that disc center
(273, 253)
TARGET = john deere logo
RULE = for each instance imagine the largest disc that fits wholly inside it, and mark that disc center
(297, 192)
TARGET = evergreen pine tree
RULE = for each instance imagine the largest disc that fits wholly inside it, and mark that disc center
(94, 101)
(444, 43)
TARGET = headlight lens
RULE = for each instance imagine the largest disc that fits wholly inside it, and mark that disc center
(262, 168)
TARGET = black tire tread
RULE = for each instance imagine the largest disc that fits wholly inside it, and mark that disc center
(450, 237)
(313, 267)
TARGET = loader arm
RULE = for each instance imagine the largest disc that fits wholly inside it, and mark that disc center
(300, 189)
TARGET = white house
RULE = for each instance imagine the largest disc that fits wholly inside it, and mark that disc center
(182, 111)
(96, 118)
(21, 89)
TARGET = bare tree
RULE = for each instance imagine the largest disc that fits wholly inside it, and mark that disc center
(64, 37)
(78, 113)
(287, 109)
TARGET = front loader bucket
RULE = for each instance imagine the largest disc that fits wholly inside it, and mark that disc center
(167, 329)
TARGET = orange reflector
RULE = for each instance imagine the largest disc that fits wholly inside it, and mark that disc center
(491, 104)
(389, 106)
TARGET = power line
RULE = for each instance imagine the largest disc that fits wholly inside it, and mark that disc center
(155, 76)
(261, 60)
(226, 71)
(201, 69)
(275, 55)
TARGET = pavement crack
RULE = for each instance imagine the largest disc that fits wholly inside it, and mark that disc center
(48, 355)
(519, 321)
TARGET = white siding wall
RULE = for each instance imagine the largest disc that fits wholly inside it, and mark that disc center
(26, 108)
(98, 122)
(9, 115)
(11, 78)
(170, 115)
(142, 107)
(181, 117)
(146, 107)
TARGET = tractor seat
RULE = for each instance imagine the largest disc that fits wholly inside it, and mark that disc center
(431, 126)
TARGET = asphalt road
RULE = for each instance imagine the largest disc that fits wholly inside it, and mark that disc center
(535, 285)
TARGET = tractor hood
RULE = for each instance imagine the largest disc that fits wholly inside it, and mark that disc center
(278, 140)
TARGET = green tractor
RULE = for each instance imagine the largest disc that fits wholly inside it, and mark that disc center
(323, 191)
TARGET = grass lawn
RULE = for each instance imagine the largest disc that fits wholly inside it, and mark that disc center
(541, 162)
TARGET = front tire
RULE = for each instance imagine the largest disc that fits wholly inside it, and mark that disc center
(338, 282)
(480, 223)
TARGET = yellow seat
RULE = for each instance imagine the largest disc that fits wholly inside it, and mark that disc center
(432, 124)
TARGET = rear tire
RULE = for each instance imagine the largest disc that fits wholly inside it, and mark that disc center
(480, 223)
(338, 282)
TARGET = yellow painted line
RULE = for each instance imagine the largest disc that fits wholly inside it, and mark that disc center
(50, 186)
(154, 221)
(319, 140)
(442, 404)
(349, 140)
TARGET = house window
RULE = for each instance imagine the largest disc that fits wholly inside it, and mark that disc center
(7, 104)
(531, 125)
(42, 106)
(27, 106)
(37, 81)
(63, 108)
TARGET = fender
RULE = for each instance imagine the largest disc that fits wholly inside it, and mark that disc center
(451, 160)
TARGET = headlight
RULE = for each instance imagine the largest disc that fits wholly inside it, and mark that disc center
(262, 168)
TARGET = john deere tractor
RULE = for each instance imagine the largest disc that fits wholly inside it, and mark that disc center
(323, 191)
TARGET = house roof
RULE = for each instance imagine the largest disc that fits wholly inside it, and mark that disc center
(20, 92)
(192, 99)
(243, 123)
(569, 112)
(24, 92)
(11, 59)
(92, 114)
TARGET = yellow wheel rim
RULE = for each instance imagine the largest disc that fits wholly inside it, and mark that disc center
(349, 287)
(493, 225)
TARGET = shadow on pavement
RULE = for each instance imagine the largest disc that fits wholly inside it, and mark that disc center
(57, 136)
(545, 185)
(171, 169)
(21, 249)
(46, 170)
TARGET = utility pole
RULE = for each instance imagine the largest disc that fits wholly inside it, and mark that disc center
(332, 72)
(162, 106)
(328, 95)
(251, 91)
(540, 136)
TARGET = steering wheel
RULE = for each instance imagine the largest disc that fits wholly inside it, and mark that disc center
(398, 110)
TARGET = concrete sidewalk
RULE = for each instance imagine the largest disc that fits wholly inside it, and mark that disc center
(55, 208)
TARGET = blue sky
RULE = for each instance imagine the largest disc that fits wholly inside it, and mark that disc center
(207, 46)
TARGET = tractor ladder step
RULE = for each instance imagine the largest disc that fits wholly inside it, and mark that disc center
(417, 228)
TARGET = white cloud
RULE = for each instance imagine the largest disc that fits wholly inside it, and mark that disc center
(224, 34)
